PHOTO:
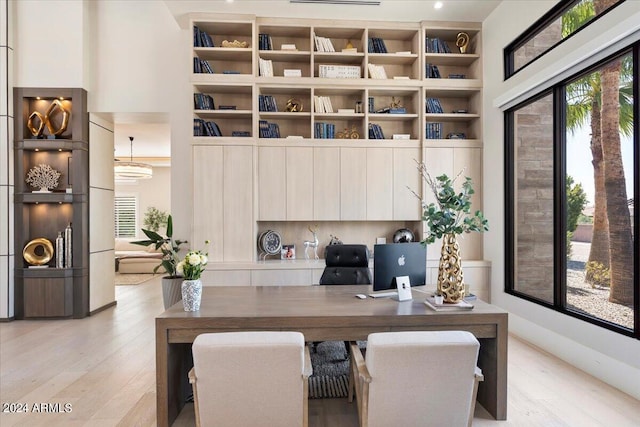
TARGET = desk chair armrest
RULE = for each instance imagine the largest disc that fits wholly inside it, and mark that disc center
(307, 368)
(194, 387)
(359, 379)
(478, 374)
(192, 376)
(358, 360)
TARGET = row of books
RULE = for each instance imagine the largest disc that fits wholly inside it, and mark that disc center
(203, 101)
(267, 103)
(433, 131)
(201, 66)
(433, 105)
(436, 45)
(323, 44)
(265, 67)
(322, 104)
(201, 38)
(432, 71)
(324, 130)
(264, 42)
(268, 130)
(377, 71)
(376, 45)
(205, 128)
(375, 131)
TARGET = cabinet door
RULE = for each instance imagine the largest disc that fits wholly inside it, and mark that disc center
(239, 241)
(299, 177)
(272, 174)
(406, 206)
(379, 184)
(353, 183)
(208, 173)
(326, 183)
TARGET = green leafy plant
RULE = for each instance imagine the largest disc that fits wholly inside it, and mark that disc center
(599, 274)
(451, 214)
(167, 245)
(192, 266)
(154, 219)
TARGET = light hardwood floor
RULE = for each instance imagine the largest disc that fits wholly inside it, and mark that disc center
(103, 367)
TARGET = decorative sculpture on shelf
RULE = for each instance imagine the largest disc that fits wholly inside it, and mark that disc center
(235, 43)
(43, 177)
(462, 41)
(348, 133)
(334, 240)
(38, 251)
(48, 120)
(294, 105)
(311, 244)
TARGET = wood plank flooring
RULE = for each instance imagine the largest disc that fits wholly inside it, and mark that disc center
(100, 371)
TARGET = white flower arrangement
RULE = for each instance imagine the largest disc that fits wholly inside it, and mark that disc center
(192, 266)
(43, 177)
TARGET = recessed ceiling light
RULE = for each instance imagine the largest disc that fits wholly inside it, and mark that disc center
(228, 1)
(437, 5)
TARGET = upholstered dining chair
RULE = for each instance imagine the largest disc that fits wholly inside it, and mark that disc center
(421, 378)
(250, 379)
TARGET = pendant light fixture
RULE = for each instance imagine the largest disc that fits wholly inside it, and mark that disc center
(131, 169)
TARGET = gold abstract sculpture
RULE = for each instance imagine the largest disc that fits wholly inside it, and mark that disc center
(38, 251)
(55, 108)
(294, 105)
(450, 274)
(462, 41)
(348, 133)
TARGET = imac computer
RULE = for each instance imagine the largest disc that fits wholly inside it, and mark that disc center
(399, 259)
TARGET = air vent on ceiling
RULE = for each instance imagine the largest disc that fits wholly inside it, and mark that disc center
(358, 2)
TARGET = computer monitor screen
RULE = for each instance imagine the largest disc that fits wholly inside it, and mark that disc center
(399, 259)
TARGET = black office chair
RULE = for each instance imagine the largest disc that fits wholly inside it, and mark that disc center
(345, 265)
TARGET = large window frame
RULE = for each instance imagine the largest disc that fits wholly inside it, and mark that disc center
(125, 209)
(560, 215)
(538, 27)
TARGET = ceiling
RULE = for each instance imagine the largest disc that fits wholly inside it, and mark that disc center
(152, 133)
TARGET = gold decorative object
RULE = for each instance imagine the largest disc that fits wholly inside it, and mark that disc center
(348, 133)
(395, 103)
(55, 108)
(450, 274)
(294, 105)
(349, 45)
(462, 41)
(235, 43)
(38, 251)
(36, 131)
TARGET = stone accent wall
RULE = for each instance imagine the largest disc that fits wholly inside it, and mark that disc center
(534, 199)
(537, 45)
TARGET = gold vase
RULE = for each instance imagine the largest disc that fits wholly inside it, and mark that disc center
(450, 276)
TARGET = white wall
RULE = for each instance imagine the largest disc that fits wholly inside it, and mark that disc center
(154, 192)
(606, 355)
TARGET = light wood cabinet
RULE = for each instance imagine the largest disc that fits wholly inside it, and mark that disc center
(319, 162)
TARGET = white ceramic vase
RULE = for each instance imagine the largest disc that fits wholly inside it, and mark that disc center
(191, 294)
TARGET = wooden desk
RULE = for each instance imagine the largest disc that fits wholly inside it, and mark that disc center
(321, 313)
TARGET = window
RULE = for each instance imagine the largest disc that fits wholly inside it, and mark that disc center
(126, 214)
(572, 169)
(564, 20)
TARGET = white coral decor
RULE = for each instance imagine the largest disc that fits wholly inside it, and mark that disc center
(43, 177)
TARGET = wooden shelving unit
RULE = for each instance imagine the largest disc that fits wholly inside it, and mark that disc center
(52, 292)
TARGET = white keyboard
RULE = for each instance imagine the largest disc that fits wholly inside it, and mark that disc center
(384, 294)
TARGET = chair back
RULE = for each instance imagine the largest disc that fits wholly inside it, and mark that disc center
(346, 265)
(249, 378)
(421, 378)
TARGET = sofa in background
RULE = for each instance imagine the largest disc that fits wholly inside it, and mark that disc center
(132, 258)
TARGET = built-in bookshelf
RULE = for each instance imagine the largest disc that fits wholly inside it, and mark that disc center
(316, 133)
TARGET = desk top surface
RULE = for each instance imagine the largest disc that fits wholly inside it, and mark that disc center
(307, 302)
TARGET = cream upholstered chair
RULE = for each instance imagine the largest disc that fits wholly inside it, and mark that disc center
(416, 379)
(250, 379)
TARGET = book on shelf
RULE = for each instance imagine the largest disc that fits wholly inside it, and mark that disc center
(461, 305)
(371, 107)
(230, 72)
(339, 71)
(457, 76)
(397, 110)
(324, 130)
(227, 107)
(267, 103)
(404, 52)
(295, 72)
(201, 38)
(265, 67)
(323, 44)
(264, 42)
(288, 46)
(376, 45)
(204, 128)
(375, 131)
(268, 130)
(239, 133)
(433, 106)
(377, 71)
(433, 131)
(401, 136)
(202, 101)
(432, 71)
(401, 77)
(350, 50)
(322, 104)
(436, 45)
(346, 110)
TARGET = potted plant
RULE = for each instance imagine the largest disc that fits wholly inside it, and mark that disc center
(191, 268)
(445, 219)
(171, 284)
